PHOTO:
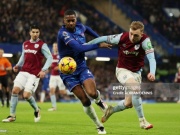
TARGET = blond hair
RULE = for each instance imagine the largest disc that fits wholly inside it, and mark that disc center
(135, 25)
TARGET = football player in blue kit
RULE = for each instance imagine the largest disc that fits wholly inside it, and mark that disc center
(71, 40)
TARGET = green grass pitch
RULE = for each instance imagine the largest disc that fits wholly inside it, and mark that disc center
(70, 119)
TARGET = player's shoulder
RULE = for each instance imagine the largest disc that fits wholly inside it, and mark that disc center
(26, 42)
(80, 26)
(145, 36)
(124, 36)
(63, 31)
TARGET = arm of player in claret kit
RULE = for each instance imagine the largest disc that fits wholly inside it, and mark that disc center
(21, 59)
(111, 39)
(45, 50)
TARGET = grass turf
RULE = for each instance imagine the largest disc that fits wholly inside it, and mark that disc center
(70, 119)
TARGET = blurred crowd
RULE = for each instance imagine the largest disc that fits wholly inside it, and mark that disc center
(18, 15)
(154, 12)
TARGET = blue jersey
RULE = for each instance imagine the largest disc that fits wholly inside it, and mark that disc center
(76, 38)
(71, 44)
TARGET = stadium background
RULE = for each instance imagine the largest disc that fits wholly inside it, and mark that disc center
(162, 24)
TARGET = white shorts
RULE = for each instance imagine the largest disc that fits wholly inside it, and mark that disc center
(56, 81)
(26, 81)
(123, 75)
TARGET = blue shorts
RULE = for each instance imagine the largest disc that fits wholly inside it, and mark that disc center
(71, 81)
(45, 83)
(45, 87)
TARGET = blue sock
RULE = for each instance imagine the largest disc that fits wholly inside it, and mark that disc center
(137, 103)
(33, 103)
(13, 104)
(119, 107)
(53, 100)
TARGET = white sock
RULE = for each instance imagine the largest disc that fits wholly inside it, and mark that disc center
(98, 98)
(42, 97)
(53, 100)
(92, 114)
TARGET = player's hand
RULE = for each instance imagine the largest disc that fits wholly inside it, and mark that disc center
(41, 74)
(16, 68)
(105, 45)
(151, 77)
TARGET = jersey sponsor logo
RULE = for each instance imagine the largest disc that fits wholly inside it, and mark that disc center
(30, 51)
(65, 34)
(136, 47)
(36, 45)
(127, 52)
(55, 60)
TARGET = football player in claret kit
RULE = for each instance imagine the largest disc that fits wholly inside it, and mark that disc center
(70, 43)
(55, 79)
(30, 62)
(133, 46)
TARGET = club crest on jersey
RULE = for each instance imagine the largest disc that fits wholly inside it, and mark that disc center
(36, 45)
(136, 47)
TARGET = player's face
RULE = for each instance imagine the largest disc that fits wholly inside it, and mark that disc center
(55, 47)
(70, 22)
(135, 35)
(34, 33)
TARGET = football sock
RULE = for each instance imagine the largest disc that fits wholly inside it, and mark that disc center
(7, 96)
(137, 103)
(42, 97)
(33, 103)
(53, 100)
(14, 102)
(98, 98)
(1, 97)
(92, 114)
(119, 107)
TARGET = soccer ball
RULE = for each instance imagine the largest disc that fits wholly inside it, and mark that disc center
(67, 65)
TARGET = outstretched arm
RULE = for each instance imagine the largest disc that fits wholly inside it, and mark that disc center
(84, 48)
(111, 39)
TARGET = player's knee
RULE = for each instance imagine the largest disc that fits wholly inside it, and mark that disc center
(15, 91)
(26, 95)
(128, 104)
(93, 94)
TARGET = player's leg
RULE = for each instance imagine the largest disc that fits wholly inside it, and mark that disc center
(134, 84)
(30, 87)
(1, 95)
(88, 108)
(13, 104)
(87, 79)
(123, 104)
(7, 96)
(42, 96)
(52, 86)
(19, 84)
(6, 89)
